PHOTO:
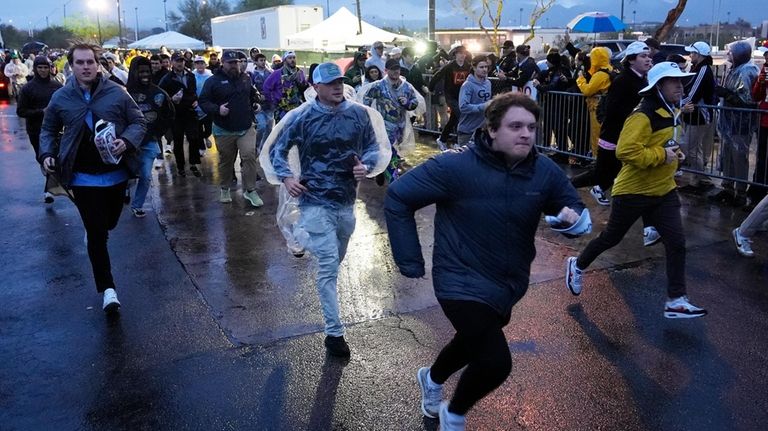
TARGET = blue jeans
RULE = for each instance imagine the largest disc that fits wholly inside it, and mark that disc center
(329, 232)
(264, 123)
(147, 153)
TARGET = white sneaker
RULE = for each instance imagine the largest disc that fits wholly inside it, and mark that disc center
(650, 236)
(201, 152)
(158, 163)
(48, 198)
(599, 196)
(441, 145)
(572, 276)
(431, 394)
(680, 308)
(451, 421)
(225, 196)
(111, 304)
(743, 244)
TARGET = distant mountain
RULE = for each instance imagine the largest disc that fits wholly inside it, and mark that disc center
(559, 15)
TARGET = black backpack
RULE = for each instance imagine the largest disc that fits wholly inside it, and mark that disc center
(602, 99)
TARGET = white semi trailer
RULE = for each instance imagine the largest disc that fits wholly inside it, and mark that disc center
(264, 28)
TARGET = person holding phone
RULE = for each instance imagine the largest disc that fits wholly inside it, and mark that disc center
(649, 151)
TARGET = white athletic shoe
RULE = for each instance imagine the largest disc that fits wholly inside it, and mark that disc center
(431, 394)
(650, 236)
(111, 304)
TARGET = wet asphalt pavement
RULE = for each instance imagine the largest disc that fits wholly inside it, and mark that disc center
(221, 328)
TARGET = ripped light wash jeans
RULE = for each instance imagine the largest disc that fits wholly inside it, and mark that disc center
(329, 231)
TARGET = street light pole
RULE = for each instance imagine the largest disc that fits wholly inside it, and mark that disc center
(431, 19)
(717, 36)
(119, 27)
(136, 30)
(165, 13)
(98, 24)
(521, 17)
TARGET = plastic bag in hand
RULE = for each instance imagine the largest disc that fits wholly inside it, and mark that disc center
(288, 215)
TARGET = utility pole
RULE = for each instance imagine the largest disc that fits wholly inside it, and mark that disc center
(431, 19)
(136, 30)
(65, 10)
(165, 13)
(119, 27)
(359, 19)
(622, 10)
(125, 24)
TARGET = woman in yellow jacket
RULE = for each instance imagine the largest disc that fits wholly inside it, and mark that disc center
(645, 187)
(597, 84)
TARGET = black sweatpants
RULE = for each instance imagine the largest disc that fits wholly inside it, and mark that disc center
(662, 212)
(480, 345)
(453, 119)
(100, 209)
(186, 124)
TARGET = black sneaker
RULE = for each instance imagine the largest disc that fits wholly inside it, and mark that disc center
(336, 346)
(182, 173)
(196, 172)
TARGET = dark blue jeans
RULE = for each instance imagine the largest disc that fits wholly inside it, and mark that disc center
(662, 212)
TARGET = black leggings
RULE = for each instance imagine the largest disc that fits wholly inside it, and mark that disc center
(480, 345)
(100, 209)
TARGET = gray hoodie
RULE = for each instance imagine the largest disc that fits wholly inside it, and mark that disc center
(473, 98)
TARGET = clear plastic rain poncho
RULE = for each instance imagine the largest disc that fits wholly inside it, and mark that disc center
(408, 141)
(317, 144)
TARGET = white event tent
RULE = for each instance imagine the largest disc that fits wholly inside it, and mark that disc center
(338, 32)
(170, 40)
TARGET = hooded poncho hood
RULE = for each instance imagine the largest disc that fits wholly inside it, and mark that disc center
(741, 52)
(599, 58)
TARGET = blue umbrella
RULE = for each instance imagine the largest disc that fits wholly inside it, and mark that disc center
(596, 22)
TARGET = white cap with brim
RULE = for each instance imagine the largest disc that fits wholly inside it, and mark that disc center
(582, 226)
(637, 47)
(700, 47)
(665, 69)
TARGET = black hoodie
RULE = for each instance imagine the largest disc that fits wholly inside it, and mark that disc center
(34, 97)
(700, 88)
(454, 75)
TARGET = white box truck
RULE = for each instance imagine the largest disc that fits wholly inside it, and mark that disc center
(265, 28)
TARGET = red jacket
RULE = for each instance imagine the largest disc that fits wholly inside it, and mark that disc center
(760, 95)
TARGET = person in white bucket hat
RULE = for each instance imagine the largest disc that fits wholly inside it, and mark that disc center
(645, 187)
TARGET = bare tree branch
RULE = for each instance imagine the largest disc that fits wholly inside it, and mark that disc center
(662, 34)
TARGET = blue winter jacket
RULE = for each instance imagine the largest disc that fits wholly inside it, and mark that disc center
(487, 216)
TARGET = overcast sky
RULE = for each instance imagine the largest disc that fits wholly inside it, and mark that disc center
(150, 12)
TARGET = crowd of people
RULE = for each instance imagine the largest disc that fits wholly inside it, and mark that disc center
(97, 123)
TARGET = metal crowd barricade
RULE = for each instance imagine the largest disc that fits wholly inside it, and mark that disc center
(734, 153)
